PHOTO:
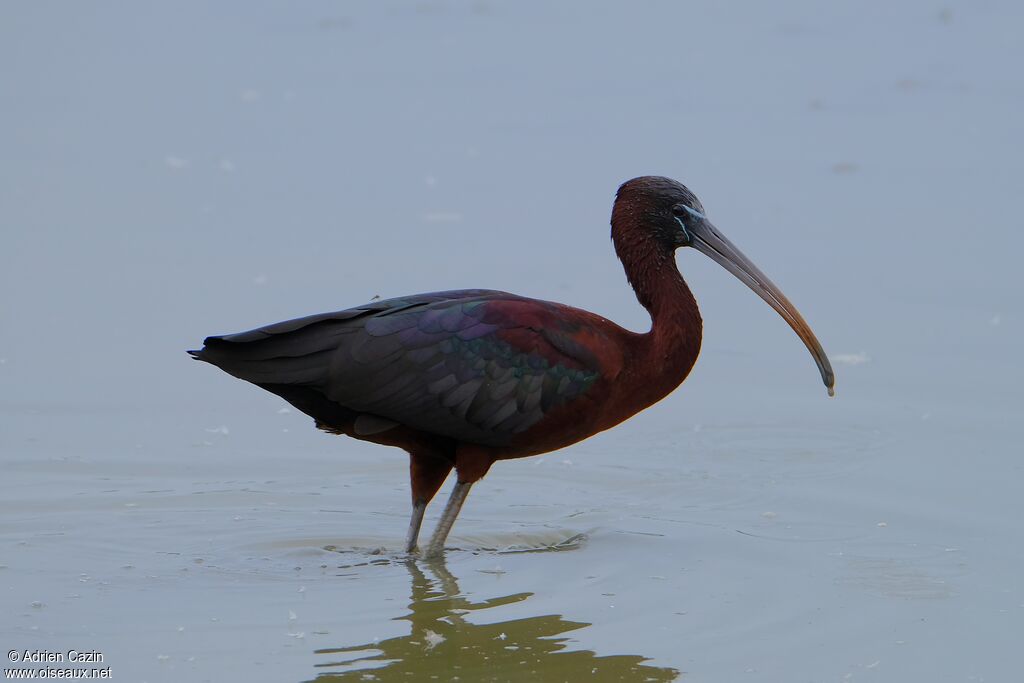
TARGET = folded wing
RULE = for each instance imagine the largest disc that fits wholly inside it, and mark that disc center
(475, 365)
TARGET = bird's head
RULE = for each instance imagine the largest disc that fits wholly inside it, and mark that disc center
(666, 215)
(660, 208)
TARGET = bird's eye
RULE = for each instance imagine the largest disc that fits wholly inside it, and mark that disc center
(687, 217)
(687, 213)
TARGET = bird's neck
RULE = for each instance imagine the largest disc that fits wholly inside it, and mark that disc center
(666, 354)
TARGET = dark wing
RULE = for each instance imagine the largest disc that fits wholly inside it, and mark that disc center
(474, 365)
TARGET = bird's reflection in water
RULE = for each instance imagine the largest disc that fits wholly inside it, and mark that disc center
(446, 645)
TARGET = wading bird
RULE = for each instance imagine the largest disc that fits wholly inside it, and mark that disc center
(464, 378)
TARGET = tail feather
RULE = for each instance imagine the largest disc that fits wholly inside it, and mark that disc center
(285, 355)
(315, 338)
(309, 370)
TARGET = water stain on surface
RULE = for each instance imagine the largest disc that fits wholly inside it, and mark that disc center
(445, 643)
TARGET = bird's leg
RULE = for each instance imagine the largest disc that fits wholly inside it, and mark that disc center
(427, 471)
(451, 511)
(418, 507)
(471, 464)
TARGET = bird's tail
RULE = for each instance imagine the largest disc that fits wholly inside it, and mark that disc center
(297, 352)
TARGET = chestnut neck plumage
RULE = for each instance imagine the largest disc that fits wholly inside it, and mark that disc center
(662, 358)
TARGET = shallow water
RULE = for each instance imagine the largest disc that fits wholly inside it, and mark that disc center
(172, 173)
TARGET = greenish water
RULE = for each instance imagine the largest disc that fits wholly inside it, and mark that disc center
(446, 641)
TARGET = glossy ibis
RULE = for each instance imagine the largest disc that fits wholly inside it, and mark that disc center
(467, 377)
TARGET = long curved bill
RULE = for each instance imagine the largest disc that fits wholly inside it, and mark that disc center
(706, 239)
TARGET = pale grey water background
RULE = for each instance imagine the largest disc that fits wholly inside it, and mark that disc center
(173, 171)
